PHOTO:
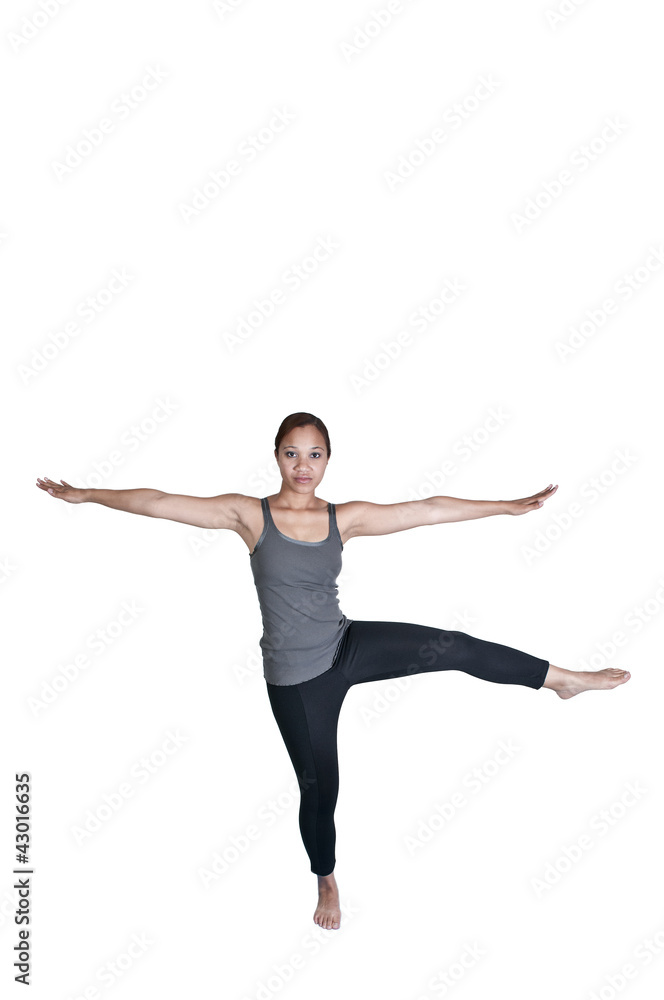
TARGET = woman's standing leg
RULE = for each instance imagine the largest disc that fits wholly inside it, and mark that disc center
(307, 715)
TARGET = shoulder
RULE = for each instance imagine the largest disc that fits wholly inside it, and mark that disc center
(247, 508)
(234, 510)
(350, 516)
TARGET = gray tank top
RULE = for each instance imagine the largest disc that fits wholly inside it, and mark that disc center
(297, 591)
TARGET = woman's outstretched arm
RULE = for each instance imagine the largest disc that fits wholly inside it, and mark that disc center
(364, 518)
(455, 509)
(203, 512)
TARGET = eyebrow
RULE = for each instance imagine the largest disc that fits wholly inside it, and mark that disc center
(293, 447)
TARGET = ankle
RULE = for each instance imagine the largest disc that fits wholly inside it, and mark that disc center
(556, 677)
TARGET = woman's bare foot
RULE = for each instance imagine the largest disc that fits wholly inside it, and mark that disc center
(327, 913)
(567, 683)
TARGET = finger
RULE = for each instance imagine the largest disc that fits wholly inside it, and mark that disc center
(549, 490)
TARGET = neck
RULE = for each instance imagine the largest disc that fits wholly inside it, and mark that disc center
(296, 500)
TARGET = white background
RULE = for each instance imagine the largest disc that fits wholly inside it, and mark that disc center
(556, 585)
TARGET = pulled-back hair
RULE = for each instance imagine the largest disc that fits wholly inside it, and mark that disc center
(302, 420)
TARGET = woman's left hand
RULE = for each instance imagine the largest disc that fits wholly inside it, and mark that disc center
(529, 503)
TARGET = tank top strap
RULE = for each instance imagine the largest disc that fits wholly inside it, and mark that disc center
(333, 519)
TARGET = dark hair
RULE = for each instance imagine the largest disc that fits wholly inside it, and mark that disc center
(302, 420)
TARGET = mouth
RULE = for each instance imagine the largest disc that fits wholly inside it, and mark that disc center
(303, 479)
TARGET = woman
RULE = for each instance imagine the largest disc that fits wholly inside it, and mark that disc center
(313, 653)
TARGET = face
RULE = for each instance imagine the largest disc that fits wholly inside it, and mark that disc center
(302, 456)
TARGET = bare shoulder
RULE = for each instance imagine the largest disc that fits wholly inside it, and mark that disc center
(247, 509)
(349, 517)
(227, 509)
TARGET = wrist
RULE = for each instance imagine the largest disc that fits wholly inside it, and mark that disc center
(88, 495)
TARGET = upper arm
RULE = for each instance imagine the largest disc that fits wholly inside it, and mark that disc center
(222, 511)
(365, 518)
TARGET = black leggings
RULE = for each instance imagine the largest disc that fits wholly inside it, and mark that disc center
(307, 713)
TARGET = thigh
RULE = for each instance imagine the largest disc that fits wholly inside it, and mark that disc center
(307, 715)
(374, 650)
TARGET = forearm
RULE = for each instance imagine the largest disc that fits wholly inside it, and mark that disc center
(456, 509)
(139, 501)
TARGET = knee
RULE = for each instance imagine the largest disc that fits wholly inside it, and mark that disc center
(318, 796)
(450, 646)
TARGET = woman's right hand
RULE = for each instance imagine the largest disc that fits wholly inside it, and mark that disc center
(63, 492)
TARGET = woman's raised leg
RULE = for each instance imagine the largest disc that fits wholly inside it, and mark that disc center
(374, 650)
